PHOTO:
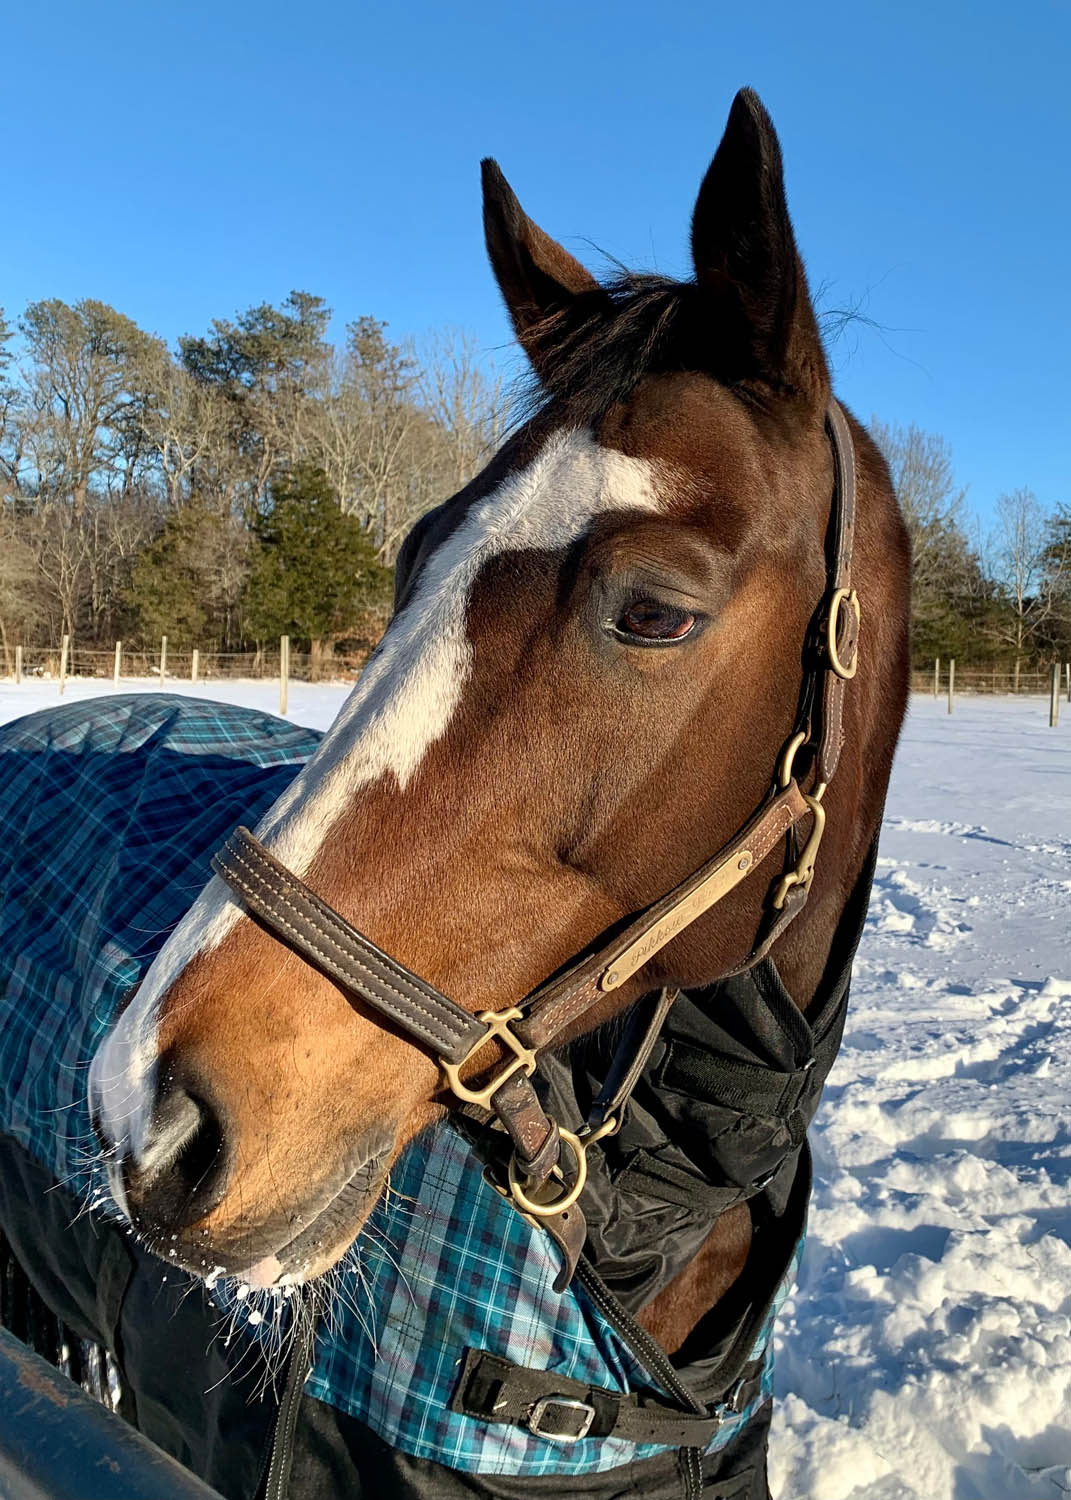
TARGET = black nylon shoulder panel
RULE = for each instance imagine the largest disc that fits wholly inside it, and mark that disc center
(719, 1115)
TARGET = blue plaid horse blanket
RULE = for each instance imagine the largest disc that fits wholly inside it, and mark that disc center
(109, 815)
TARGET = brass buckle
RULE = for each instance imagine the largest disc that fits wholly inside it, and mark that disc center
(788, 756)
(497, 1023)
(846, 673)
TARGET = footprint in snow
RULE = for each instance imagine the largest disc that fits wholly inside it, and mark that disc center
(900, 905)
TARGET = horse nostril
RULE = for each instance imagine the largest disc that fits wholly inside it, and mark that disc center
(179, 1171)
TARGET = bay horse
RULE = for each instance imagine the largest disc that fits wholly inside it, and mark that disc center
(614, 774)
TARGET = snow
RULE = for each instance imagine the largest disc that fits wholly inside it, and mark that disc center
(312, 704)
(927, 1352)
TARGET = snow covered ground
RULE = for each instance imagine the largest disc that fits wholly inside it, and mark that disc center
(927, 1355)
(314, 704)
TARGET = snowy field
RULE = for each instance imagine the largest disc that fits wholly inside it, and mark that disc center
(314, 704)
(927, 1355)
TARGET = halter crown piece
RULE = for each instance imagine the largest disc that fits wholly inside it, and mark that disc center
(547, 1165)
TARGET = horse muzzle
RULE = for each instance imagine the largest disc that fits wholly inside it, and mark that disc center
(177, 1179)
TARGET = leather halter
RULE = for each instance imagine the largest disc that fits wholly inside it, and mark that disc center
(543, 1180)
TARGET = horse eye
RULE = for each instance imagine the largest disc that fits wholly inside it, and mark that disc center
(649, 620)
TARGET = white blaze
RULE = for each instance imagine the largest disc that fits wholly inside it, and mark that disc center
(402, 703)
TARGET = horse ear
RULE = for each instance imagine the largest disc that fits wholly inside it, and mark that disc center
(540, 281)
(745, 251)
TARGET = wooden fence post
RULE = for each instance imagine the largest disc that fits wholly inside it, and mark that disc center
(163, 657)
(65, 646)
(1054, 696)
(193, 665)
(284, 673)
(118, 662)
(951, 681)
(936, 675)
(18, 663)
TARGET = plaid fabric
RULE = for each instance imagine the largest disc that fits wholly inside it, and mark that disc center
(110, 813)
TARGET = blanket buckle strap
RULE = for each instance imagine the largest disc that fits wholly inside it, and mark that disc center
(541, 1408)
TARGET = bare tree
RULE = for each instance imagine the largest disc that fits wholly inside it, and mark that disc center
(186, 426)
(12, 415)
(932, 503)
(1018, 548)
(464, 398)
(381, 375)
(21, 612)
(83, 392)
(337, 431)
(7, 333)
(949, 587)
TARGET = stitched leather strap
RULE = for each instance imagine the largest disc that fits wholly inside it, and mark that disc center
(306, 923)
(842, 521)
(563, 1001)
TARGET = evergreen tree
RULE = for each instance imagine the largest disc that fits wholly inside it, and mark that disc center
(186, 584)
(266, 348)
(950, 593)
(164, 594)
(314, 568)
(1057, 582)
(7, 333)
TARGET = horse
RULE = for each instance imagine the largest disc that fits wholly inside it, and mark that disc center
(564, 903)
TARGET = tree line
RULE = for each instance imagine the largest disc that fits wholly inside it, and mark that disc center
(255, 481)
(258, 479)
(998, 595)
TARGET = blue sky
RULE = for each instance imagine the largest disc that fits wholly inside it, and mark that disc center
(183, 162)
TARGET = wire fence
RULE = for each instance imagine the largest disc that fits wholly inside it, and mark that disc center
(1050, 684)
(985, 680)
(60, 663)
(53, 663)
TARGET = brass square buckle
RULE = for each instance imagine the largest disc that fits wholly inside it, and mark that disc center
(497, 1023)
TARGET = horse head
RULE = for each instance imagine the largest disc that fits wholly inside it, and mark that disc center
(590, 677)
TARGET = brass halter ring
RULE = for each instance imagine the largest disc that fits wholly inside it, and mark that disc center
(545, 1209)
(578, 1145)
(844, 671)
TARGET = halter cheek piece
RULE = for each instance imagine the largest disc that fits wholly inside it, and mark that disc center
(547, 1166)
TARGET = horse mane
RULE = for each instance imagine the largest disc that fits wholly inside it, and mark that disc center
(595, 352)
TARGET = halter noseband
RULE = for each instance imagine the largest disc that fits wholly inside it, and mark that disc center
(541, 1180)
